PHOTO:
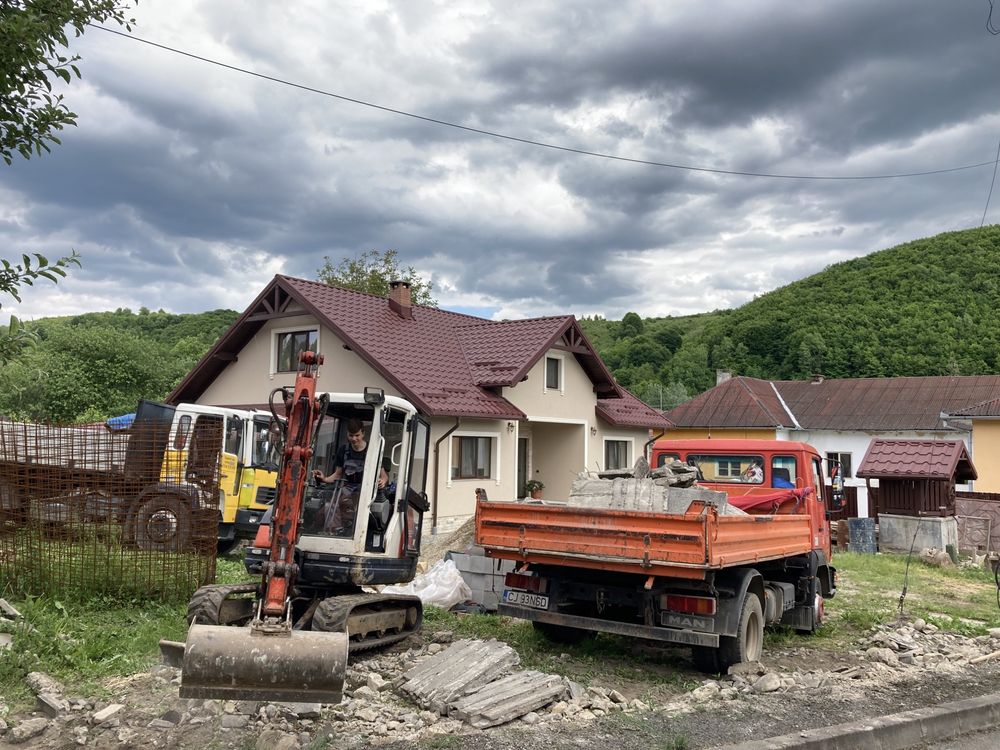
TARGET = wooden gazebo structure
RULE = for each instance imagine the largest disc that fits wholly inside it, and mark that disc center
(916, 477)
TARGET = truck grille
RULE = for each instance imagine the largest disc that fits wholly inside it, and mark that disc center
(266, 495)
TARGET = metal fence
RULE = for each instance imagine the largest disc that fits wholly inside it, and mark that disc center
(86, 511)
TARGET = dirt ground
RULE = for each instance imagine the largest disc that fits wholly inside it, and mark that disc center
(855, 688)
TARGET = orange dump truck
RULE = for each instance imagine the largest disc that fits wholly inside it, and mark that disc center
(692, 566)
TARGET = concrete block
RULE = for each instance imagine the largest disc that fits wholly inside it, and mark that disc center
(8, 611)
(899, 533)
(106, 713)
(51, 704)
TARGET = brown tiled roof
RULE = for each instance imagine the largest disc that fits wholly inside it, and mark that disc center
(628, 411)
(446, 363)
(988, 408)
(910, 403)
(917, 459)
(738, 402)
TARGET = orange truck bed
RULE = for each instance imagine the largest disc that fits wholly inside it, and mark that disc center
(629, 541)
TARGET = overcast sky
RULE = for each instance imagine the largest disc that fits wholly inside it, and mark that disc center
(187, 186)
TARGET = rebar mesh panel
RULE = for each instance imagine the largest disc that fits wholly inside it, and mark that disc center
(84, 510)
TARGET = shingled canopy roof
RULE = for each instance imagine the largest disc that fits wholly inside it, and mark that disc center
(446, 363)
(906, 403)
(917, 459)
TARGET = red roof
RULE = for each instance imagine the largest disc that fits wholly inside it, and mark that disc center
(917, 459)
(446, 363)
(910, 403)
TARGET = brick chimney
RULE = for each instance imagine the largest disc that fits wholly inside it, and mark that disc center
(399, 298)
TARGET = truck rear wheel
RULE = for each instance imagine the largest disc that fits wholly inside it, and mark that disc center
(747, 644)
(161, 523)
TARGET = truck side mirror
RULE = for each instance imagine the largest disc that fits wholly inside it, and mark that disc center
(837, 495)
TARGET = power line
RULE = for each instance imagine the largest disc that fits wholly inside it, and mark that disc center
(530, 142)
(990, 194)
(990, 27)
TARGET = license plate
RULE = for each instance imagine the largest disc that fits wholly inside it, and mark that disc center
(535, 601)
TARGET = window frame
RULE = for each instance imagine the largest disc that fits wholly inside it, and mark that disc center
(561, 360)
(494, 473)
(839, 458)
(629, 451)
(277, 333)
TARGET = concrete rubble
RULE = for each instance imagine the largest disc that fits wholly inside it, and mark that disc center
(658, 492)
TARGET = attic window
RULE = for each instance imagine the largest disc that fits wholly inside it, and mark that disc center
(554, 376)
(290, 344)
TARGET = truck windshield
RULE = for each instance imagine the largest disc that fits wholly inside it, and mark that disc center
(735, 468)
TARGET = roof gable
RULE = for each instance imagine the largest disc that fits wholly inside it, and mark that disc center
(446, 363)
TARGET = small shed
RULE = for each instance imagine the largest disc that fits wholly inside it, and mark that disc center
(917, 477)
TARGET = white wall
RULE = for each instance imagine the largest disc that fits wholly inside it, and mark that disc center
(856, 443)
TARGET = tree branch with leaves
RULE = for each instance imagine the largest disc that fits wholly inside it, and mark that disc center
(33, 44)
(13, 276)
(372, 271)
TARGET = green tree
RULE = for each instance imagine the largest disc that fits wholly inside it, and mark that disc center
(631, 325)
(16, 338)
(33, 53)
(372, 271)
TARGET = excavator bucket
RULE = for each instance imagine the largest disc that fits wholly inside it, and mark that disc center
(240, 663)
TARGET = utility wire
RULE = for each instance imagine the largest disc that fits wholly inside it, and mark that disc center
(990, 194)
(530, 142)
(990, 27)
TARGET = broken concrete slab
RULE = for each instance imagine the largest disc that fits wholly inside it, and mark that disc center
(650, 495)
(8, 611)
(6, 639)
(462, 668)
(39, 683)
(508, 698)
(51, 704)
(106, 713)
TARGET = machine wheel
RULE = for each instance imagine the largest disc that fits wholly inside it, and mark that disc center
(818, 615)
(222, 604)
(562, 633)
(370, 620)
(161, 523)
(747, 644)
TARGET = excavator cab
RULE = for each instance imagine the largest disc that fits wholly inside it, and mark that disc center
(348, 534)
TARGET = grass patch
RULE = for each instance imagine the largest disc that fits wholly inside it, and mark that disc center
(82, 642)
(956, 599)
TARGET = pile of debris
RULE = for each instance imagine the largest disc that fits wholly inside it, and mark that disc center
(667, 489)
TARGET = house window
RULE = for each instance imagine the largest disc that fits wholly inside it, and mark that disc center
(290, 345)
(553, 373)
(471, 457)
(616, 454)
(845, 464)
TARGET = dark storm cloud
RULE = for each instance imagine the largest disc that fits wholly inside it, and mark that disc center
(184, 178)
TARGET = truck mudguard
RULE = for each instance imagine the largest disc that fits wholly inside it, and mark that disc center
(740, 580)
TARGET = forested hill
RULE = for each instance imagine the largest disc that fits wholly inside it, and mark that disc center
(88, 367)
(928, 307)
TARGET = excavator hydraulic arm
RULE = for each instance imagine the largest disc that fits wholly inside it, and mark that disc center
(303, 412)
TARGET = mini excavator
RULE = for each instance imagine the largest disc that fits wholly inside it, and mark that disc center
(288, 637)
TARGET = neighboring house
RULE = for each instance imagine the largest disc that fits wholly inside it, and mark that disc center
(840, 417)
(507, 401)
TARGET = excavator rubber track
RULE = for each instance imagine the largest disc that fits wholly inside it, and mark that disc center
(371, 621)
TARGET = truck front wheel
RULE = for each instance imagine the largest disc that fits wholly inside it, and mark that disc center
(747, 644)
